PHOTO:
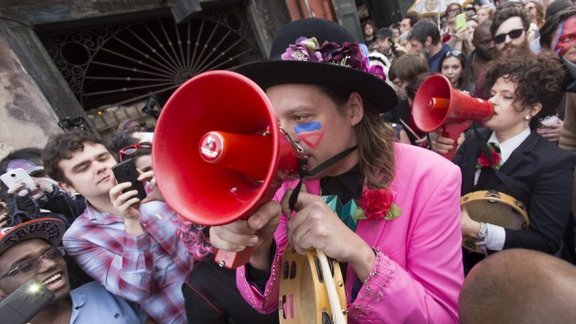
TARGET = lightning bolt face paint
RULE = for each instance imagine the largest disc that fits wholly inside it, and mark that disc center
(310, 133)
(566, 37)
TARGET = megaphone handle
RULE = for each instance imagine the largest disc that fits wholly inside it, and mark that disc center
(233, 260)
(453, 131)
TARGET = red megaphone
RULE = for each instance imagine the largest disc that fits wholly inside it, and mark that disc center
(437, 104)
(219, 153)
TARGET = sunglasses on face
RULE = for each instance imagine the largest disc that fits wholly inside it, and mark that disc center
(515, 33)
(130, 150)
(33, 264)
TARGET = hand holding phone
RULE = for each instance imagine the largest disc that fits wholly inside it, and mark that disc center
(461, 22)
(126, 172)
(18, 178)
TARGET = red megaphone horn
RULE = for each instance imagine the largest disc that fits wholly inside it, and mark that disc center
(219, 153)
(438, 105)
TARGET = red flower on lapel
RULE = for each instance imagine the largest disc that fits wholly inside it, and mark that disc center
(378, 204)
(484, 162)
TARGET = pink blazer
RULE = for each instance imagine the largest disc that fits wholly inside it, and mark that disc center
(418, 272)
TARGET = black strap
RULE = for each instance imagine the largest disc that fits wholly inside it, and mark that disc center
(317, 170)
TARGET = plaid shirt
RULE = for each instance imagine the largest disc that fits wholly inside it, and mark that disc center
(148, 269)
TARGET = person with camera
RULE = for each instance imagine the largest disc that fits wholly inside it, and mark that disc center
(130, 245)
(45, 196)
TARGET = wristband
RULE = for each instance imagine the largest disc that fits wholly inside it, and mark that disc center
(482, 236)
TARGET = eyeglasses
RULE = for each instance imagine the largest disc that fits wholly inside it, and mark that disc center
(33, 264)
(515, 33)
(454, 53)
(133, 149)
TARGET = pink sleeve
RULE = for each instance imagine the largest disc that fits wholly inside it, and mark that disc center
(266, 301)
(426, 290)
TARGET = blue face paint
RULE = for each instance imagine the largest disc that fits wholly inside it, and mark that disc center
(556, 48)
(307, 127)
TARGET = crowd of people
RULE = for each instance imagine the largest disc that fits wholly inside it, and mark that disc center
(106, 253)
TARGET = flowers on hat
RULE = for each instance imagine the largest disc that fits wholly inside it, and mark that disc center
(348, 55)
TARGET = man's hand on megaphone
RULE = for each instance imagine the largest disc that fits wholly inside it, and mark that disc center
(257, 232)
(316, 226)
(441, 144)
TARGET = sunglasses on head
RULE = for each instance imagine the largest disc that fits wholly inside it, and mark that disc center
(515, 33)
(454, 53)
(130, 150)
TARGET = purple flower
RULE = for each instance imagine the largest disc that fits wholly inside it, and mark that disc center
(348, 55)
(303, 50)
(377, 71)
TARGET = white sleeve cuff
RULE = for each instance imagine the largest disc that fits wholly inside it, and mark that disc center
(496, 237)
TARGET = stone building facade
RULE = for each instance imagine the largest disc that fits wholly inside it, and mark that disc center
(100, 61)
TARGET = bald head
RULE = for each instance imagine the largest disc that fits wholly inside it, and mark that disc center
(482, 40)
(519, 286)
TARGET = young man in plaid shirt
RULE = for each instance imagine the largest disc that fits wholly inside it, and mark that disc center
(130, 246)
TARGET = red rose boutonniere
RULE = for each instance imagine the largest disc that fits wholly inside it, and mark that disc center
(484, 162)
(377, 204)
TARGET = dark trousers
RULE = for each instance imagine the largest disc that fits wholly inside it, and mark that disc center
(211, 296)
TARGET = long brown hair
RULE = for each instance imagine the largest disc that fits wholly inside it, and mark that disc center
(375, 141)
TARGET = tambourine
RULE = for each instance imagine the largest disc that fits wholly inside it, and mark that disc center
(493, 207)
(306, 294)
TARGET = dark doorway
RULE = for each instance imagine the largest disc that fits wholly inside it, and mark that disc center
(119, 64)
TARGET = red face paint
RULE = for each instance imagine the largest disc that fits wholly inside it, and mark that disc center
(312, 139)
(567, 37)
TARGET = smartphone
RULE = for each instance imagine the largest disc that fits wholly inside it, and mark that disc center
(461, 22)
(17, 176)
(126, 171)
(25, 302)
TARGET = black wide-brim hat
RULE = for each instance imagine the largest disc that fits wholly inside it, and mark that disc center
(275, 71)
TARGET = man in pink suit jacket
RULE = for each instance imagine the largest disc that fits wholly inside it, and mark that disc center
(404, 262)
(419, 273)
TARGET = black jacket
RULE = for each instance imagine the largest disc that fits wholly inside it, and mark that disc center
(537, 173)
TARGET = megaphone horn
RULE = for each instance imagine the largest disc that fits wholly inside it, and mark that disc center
(438, 105)
(230, 150)
(219, 156)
